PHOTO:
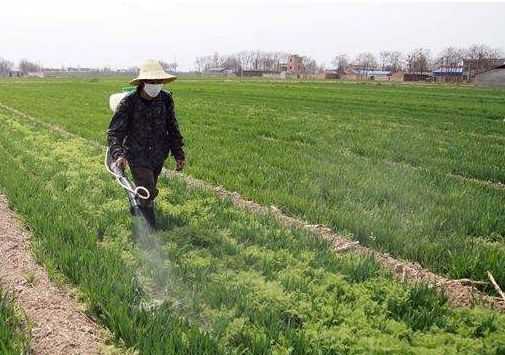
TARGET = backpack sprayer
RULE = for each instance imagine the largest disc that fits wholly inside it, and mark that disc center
(134, 192)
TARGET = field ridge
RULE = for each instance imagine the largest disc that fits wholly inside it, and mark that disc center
(459, 292)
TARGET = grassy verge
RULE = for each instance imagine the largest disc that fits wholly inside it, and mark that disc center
(337, 154)
(13, 337)
(228, 282)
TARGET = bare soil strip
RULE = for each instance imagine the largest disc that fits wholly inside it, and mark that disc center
(459, 292)
(58, 326)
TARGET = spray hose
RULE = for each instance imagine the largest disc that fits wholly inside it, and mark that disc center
(122, 180)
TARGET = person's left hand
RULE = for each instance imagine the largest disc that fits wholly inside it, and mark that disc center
(179, 165)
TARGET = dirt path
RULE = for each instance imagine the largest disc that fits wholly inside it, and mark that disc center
(58, 326)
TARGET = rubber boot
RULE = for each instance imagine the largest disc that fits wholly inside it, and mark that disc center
(148, 213)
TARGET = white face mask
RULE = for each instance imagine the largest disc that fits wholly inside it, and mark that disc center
(152, 89)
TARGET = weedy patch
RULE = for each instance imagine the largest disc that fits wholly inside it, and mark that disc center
(30, 278)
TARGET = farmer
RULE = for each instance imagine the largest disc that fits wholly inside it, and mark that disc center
(143, 131)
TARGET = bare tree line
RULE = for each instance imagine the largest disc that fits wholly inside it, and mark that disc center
(420, 60)
(25, 66)
(245, 60)
(251, 60)
(476, 58)
(5, 66)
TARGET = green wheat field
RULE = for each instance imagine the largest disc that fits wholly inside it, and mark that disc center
(414, 171)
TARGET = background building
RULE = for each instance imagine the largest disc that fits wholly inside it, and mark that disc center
(448, 74)
(295, 64)
(473, 67)
(494, 77)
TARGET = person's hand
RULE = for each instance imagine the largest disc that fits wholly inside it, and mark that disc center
(122, 163)
(179, 165)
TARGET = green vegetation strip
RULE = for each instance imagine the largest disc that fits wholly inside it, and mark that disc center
(232, 282)
(13, 334)
(342, 155)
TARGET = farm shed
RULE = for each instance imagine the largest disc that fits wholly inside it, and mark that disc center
(219, 71)
(494, 77)
(251, 73)
(473, 67)
(448, 74)
(15, 73)
(331, 74)
(397, 76)
(372, 74)
(417, 77)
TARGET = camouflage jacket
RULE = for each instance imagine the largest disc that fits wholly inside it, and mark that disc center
(145, 131)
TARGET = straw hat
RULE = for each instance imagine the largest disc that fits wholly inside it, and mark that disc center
(152, 70)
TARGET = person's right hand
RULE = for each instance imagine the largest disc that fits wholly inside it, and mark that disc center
(122, 163)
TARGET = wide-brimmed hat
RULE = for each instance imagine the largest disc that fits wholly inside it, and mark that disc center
(152, 70)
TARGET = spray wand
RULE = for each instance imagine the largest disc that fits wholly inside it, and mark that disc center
(134, 192)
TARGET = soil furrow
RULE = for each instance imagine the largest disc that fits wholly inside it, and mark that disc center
(58, 324)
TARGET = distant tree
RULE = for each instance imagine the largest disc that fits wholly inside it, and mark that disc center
(341, 63)
(5, 66)
(205, 63)
(232, 62)
(309, 65)
(419, 61)
(169, 67)
(28, 67)
(390, 60)
(482, 51)
(199, 64)
(247, 60)
(365, 61)
(395, 59)
(384, 57)
(496, 53)
(451, 57)
(216, 60)
(133, 70)
(479, 58)
(244, 60)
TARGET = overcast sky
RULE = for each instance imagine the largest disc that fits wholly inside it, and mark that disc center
(121, 33)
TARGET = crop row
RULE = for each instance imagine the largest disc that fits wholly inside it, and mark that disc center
(216, 280)
(60, 188)
(373, 162)
(13, 338)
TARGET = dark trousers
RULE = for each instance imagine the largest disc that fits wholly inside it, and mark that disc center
(148, 178)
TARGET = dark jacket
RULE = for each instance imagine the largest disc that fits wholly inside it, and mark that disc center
(145, 131)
